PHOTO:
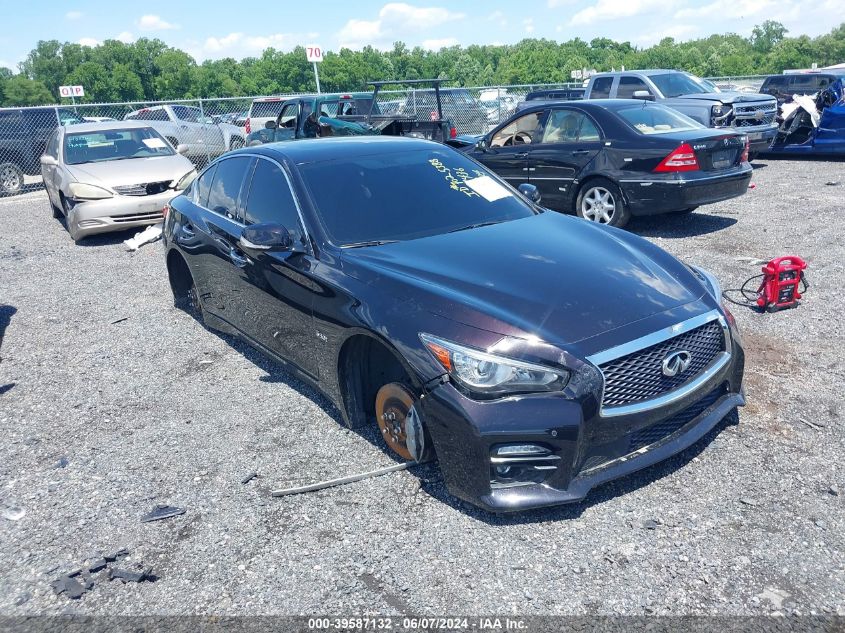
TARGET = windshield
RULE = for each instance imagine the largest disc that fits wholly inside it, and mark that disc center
(656, 119)
(104, 145)
(407, 195)
(677, 84)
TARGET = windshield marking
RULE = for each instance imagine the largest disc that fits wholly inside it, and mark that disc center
(458, 179)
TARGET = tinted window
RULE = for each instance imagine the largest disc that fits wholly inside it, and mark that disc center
(10, 119)
(289, 115)
(407, 195)
(775, 82)
(266, 109)
(184, 113)
(601, 88)
(226, 187)
(629, 85)
(519, 132)
(202, 186)
(677, 84)
(270, 198)
(569, 126)
(656, 119)
(806, 84)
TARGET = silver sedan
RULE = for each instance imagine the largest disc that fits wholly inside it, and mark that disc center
(112, 176)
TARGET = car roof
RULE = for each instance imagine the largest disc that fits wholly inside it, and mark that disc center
(318, 150)
(96, 126)
(648, 72)
(591, 104)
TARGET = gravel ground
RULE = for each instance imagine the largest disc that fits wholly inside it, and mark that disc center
(113, 401)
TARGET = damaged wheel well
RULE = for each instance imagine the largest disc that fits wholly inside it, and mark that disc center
(365, 365)
(181, 281)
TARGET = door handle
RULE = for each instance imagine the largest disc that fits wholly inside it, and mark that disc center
(580, 152)
(522, 155)
(237, 259)
(188, 231)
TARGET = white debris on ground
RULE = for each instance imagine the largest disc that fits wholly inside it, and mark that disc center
(148, 235)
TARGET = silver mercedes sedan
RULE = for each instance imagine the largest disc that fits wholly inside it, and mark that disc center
(111, 176)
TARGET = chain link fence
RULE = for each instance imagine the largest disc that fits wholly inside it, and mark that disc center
(209, 127)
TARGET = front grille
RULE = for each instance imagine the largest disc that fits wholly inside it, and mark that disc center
(138, 217)
(657, 432)
(639, 376)
(747, 116)
(600, 455)
(143, 189)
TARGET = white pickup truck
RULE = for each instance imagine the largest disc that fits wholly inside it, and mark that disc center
(182, 124)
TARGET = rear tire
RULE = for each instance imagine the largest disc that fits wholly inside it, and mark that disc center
(11, 179)
(600, 201)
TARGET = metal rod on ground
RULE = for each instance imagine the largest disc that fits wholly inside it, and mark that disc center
(317, 77)
(342, 480)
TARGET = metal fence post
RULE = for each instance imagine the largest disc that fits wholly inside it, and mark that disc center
(205, 132)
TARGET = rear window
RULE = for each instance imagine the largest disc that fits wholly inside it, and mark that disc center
(656, 119)
(268, 109)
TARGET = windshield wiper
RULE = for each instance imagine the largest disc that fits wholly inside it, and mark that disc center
(370, 243)
(475, 226)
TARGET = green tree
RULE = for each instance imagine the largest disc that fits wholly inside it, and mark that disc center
(175, 73)
(765, 36)
(20, 90)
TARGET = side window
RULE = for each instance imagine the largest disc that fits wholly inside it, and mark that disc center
(569, 126)
(522, 131)
(185, 113)
(53, 145)
(803, 84)
(270, 198)
(288, 117)
(629, 85)
(226, 186)
(601, 88)
(158, 115)
(202, 186)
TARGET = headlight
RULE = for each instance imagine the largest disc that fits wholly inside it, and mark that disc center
(719, 114)
(710, 281)
(81, 191)
(186, 180)
(487, 374)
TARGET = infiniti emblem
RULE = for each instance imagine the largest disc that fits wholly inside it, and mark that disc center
(676, 363)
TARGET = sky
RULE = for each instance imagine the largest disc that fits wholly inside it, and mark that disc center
(208, 30)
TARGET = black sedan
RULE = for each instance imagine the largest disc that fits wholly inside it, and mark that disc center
(534, 354)
(609, 159)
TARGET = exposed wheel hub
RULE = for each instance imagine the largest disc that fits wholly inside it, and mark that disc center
(394, 408)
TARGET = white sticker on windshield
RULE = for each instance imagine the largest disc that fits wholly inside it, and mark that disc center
(488, 188)
(154, 143)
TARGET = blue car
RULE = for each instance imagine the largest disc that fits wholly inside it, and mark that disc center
(800, 134)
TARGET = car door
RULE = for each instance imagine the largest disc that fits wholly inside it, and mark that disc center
(52, 173)
(213, 239)
(280, 298)
(288, 121)
(570, 140)
(506, 152)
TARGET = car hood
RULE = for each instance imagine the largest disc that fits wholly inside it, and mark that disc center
(556, 277)
(132, 171)
(727, 97)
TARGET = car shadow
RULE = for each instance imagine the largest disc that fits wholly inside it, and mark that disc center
(6, 314)
(601, 494)
(678, 226)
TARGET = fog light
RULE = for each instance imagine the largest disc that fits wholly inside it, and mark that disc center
(514, 450)
(504, 471)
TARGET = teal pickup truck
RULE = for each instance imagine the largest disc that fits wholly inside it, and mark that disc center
(352, 114)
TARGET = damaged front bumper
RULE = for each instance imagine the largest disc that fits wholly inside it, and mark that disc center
(89, 217)
(560, 448)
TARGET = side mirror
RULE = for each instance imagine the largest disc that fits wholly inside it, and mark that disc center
(482, 144)
(182, 149)
(48, 161)
(266, 237)
(644, 95)
(531, 192)
(270, 125)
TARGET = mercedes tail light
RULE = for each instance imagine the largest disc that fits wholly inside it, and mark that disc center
(681, 159)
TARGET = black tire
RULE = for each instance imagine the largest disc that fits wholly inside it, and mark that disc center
(752, 156)
(11, 179)
(686, 211)
(600, 201)
(56, 211)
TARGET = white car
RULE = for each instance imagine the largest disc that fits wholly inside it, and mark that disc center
(112, 176)
(261, 110)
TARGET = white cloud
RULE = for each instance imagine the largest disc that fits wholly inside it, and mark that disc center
(396, 20)
(239, 44)
(498, 16)
(126, 37)
(73, 15)
(616, 9)
(89, 41)
(679, 32)
(155, 23)
(733, 9)
(528, 24)
(436, 45)
(554, 4)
